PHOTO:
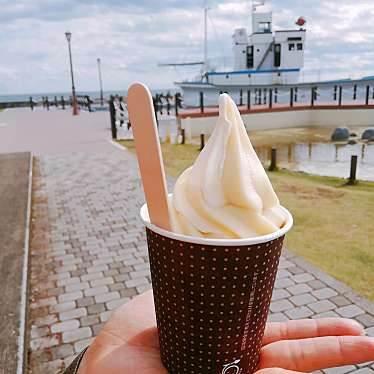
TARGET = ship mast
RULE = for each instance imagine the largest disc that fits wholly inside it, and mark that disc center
(206, 9)
(250, 17)
(254, 4)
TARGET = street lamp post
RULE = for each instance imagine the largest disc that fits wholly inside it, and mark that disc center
(74, 97)
(100, 81)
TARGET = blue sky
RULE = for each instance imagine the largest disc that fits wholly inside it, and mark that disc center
(132, 37)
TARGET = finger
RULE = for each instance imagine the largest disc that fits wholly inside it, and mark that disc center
(317, 353)
(310, 328)
(133, 326)
(132, 318)
(277, 371)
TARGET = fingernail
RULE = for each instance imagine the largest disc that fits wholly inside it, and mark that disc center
(354, 323)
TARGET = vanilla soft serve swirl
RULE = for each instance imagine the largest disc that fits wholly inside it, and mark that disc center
(226, 193)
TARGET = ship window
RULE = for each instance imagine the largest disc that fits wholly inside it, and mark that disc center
(291, 47)
(250, 56)
(277, 55)
(264, 27)
(299, 46)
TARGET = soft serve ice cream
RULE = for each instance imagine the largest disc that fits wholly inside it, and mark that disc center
(226, 193)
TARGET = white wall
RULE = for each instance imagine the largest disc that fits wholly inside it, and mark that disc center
(254, 79)
(289, 119)
(343, 117)
(240, 40)
(295, 58)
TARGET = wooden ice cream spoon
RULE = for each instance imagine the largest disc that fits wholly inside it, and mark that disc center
(148, 150)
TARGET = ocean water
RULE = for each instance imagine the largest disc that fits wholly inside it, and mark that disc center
(92, 94)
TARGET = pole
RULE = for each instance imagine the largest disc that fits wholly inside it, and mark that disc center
(205, 36)
(340, 95)
(241, 97)
(183, 133)
(291, 97)
(312, 96)
(74, 103)
(201, 102)
(249, 99)
(176, 104)
(100, 82)
(88, 103)
(352, 176)
(273, 161)
(112, 111)
(202, 141)
(367, 95)
(270, 98)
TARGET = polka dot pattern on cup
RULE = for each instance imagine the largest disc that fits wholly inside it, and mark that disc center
(211, 302)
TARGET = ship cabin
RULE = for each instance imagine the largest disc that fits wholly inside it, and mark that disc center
(264, 57)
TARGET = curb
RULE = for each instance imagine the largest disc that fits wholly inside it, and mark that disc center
(21, 354)
(116, 144)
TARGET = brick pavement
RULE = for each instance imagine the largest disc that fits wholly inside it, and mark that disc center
(88, 256)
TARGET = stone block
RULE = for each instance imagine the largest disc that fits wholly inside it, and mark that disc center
(76, 335)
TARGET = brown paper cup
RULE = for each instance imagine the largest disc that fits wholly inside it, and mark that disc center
(212, 298)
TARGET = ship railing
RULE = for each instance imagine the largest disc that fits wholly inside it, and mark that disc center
(272, 97)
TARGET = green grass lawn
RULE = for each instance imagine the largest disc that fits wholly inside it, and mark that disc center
(333, 222)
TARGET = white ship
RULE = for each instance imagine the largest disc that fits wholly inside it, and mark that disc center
(266, 59)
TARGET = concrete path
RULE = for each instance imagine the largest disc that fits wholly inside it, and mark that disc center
(14, 192)
(89, 256)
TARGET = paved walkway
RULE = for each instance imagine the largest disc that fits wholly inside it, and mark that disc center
(89, 256)
(55, 131)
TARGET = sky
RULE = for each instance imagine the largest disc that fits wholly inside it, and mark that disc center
(132, 36)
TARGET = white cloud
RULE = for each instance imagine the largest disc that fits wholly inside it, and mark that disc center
(132, 39)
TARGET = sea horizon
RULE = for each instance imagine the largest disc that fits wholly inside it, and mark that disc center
(37, 96)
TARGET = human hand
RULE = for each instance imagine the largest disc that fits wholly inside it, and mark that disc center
(129, 343)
